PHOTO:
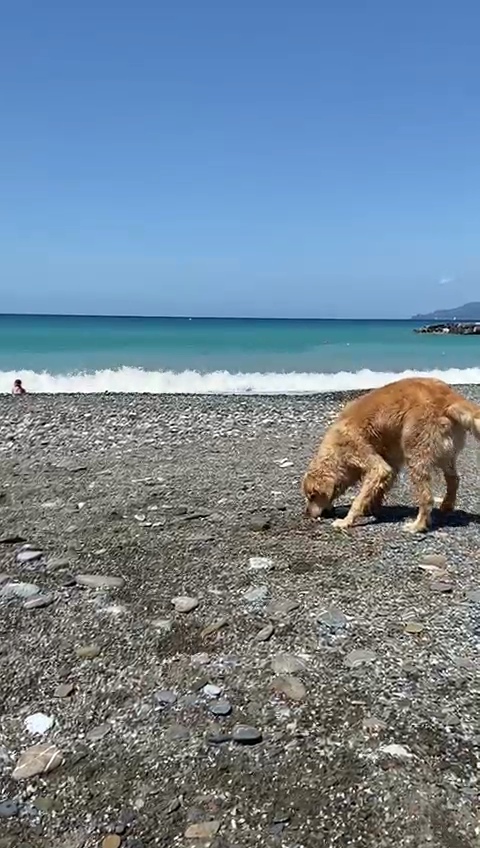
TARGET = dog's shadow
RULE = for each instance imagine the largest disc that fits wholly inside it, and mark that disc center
(399, 513)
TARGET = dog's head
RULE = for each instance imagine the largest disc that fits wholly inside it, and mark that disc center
(318, 491)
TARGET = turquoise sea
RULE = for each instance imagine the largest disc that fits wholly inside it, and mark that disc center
(214, 355)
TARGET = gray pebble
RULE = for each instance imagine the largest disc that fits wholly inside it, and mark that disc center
(243, 734)
(256, 595)
(464, 663)
(19, 590)
(373, 724)
(441, 586)
(220, 708)
(439, 560)
(474, 596)
(165, 697)
(64, 690)
(57, 563)
(289, 686)
(333, 619)
(260, 523)
(359, 657)
(87, 652)
(287, 664)
(29, 556)
(99, 581)
(9, 809)
(260, 564)
(279, 609)
(184, 603)
(211, 690)
(163, 625)
(265, 633)
(177, 733)
(38, 602)
(97, 733)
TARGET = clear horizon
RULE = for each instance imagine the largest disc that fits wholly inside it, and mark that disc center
(211, 159)
(186, 317)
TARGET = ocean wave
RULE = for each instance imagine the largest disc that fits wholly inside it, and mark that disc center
(138, 380)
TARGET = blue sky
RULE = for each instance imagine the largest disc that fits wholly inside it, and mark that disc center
(258, 158)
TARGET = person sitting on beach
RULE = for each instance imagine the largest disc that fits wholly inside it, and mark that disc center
(18, 388)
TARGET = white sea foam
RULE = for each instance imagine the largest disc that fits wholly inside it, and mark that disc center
(218, 382)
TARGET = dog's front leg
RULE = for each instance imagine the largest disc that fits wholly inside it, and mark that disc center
(377, 479)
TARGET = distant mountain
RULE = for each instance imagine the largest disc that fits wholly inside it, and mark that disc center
(467, 312)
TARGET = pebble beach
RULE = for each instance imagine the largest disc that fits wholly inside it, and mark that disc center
(185, 659)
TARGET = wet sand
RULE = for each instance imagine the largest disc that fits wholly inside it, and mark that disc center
(374, 741)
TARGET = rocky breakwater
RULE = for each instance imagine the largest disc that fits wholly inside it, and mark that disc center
(472, 329)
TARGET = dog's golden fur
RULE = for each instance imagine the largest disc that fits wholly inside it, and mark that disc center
(417, 422)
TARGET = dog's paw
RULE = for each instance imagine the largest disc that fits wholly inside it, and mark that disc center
(341, 524)
(414, 527)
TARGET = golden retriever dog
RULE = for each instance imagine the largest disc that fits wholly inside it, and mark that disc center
(417, 422)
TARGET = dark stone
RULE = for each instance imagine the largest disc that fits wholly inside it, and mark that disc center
(9, 809)
(245, 735)
(68, 580)
(11, 540)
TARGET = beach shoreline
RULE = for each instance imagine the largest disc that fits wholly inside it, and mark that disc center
(375, 740)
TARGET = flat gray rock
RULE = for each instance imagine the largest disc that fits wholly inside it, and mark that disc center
(57, 563)
(441, 586)
(38, 602)
(9, 809)
(165, 697)
(474, 596)
(19, 590)
(280, 608)
(97, 733)
(28, 556)
(333, 619)
(99, 581)
(265, 633)
(211, 690)
(163, 625)
(39, 759)
(287, 664)
(177, 733)
(289, 686)
(220, 708)
(185, 603)
(243, 734)
(87, 652)
(359, 657)
(438, 560)
(260, 564)
(256, 595)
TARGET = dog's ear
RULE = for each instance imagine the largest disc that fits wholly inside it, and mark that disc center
(313, 484)
(310, 484)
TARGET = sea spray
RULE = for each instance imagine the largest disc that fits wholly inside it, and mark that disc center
(140, 381)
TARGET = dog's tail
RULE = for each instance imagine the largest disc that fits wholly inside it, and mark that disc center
(466, 414)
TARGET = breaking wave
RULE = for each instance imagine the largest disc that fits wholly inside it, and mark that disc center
(138, 380)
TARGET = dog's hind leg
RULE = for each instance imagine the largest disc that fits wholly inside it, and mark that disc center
(421, 484)
(451, 482)
(378, 478)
